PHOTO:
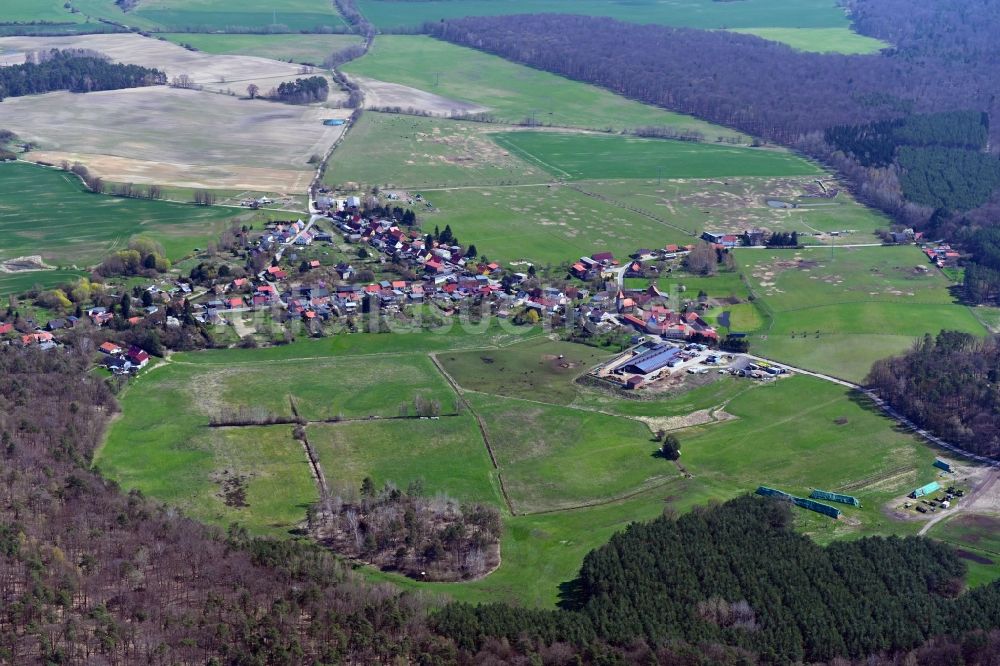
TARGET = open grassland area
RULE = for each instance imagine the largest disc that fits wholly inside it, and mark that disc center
(161, 446)
(543, 224)
(323, 389)
(821, 40)
(595, 156)
(977, 537)
(839, 310)
(309, 49)
(540, 369)
(184, 138)
(208, 70)
(511, 92)
(47, 212)
(446, 456)
(731, 205)
(413, 152)
(219, 15)
(553, 457)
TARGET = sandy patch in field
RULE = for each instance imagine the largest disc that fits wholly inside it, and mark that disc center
(700, 417)
(214, 72)
(176, 137)
(381, 94)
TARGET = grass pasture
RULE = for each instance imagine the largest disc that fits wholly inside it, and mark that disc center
(413, 152)
(511, 92)
(538, 369)
(839, 310)
(977, 537)
(446, 455)
(733, 204)
(23, 11)
(820, 40)
(597, 156)
(544, 224)
(310, 49)
(554, 458)
(46, 212)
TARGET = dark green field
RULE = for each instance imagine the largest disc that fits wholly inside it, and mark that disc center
(47, 212)
(595, 156)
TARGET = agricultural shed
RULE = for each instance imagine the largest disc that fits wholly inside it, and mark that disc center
(655, 359)
(835, 497)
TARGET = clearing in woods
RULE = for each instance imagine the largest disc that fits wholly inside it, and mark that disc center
(47, 212)
(509, 91)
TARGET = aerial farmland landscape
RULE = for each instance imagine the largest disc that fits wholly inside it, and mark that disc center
(499, 331)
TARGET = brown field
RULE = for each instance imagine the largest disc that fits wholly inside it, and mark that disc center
(379, 94)
(213, 72)
(183, 138)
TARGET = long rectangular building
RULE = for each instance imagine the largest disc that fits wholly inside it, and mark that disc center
(653, 360)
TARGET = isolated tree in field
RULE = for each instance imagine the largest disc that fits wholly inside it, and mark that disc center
(702, 260)
(253, 90)
(671, 447)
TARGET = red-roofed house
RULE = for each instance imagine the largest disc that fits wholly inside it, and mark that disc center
(6, 328)
(109, 348)
(138, 356)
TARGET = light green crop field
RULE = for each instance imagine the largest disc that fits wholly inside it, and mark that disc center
(512, 92)
(734, 204)
(47, 212)
(446, 455)
(18, 283)
(413, 152)
(36, 10)
(219, 15)
(596, 156)
(781, 19)
(309, 49)
(537, 370)
(543, 224)
(554, 457)
(839, 310)
(821, 40)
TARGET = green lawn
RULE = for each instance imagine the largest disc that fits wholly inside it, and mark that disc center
(311, 49)
(413, 152)
(539, 369)
(596, 156)
(46, 212)
(839, 310)
(219, 15)
(446, 455)
(512, 92)
(543, 224)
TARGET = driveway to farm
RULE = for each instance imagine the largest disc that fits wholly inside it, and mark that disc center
(968, 503)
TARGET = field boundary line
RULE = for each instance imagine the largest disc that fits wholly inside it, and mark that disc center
(611, 500)
(482, 430)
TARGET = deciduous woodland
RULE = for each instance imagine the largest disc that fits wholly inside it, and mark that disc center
(949, 385)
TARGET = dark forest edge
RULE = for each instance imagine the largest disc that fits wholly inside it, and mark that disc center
(947, 384)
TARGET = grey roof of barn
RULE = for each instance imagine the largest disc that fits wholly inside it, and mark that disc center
(656, 358)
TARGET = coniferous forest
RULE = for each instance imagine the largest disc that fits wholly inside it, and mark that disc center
(68, 71)
(947, 384)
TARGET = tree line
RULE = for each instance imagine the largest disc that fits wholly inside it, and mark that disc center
(738, 575)
(303, 91)
(67, 71)
(947, 384)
